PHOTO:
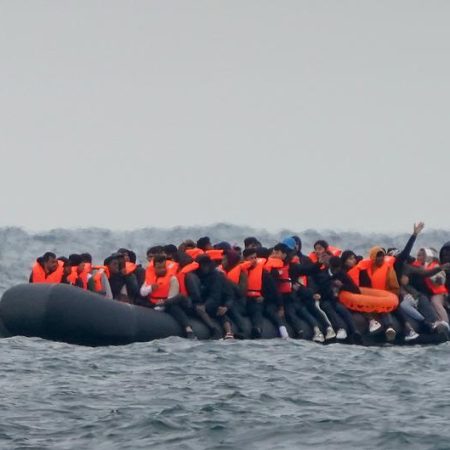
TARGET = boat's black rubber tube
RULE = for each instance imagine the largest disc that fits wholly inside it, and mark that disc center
(64, 313)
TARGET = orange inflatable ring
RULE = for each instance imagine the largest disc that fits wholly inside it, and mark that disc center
(369, 301)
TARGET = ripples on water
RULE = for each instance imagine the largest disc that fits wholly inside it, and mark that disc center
(222, 395)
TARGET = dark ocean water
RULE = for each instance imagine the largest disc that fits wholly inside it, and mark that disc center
(222, 395)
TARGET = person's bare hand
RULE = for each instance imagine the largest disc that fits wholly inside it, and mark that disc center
(418, 228)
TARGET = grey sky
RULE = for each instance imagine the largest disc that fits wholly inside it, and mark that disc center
(304, 114)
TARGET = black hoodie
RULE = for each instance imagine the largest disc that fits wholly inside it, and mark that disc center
(446, 246)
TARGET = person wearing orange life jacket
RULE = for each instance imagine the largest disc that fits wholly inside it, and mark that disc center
(294, 309)
(86, 258)
(153, 251)
(320, 247)
(235, 271)
(112, 281)
(47, 269)
(433, 286)
(252, 242)
(162, 289)
(349, 265)
(378, 273)
(77, 268)
(261, 294)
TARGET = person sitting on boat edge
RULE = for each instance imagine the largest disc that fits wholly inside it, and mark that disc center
(162, 289)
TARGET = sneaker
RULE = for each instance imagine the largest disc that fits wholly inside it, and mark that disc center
(229, 336)
(191, 335)
(374, 326)
(411, 336)
(341, 334)
(318, 336)
(390, 334)
(330, 334)
(283, 332)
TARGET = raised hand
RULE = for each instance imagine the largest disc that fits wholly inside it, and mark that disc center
(418, 227)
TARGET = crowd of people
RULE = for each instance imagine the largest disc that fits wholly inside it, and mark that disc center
(221, 284)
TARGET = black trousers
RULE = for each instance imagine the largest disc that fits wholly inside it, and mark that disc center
(255, 313)
(178, 307)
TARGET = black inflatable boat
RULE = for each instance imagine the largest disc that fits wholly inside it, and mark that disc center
(68, 314)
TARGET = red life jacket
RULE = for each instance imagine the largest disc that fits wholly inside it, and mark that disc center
(39, 275)
(182, 276)
(284, 283)
(255, 277)
(163, 284)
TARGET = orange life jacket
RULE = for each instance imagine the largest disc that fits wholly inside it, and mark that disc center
(194, 252)
(130, 267)
(163, 284)
(436, 289)
(182, 276)
(333, 250)
(39, 275)
(98, 284)
(273, 263)
(73, 276)
(84, 276)
(255, 277)
(172, 267)
(215, 254)
(378, 277)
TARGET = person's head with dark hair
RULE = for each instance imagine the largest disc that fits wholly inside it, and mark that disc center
(263, 252)
(298, 243)
(348, 259)
(186, 245)
(121, 259)
(125, 252)
(47, 256)
(252, 242)
(206, 265)
(132, 256)
(67, 268)
(335, 264)
(160, 266)
(153, 251)
(320, 247)
(184, 259)
(171, 252)
(250, 254)
(204, 243)
(49, 262)
(230, 260)
(112, 263)
(222, 246)
(237, 249)
(281, 251)
(86, 258)
(75, 260)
